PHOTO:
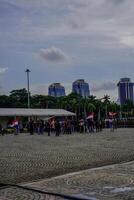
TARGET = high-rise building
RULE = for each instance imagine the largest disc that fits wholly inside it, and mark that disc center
(56, 90)
(125, 90)
(81, 87)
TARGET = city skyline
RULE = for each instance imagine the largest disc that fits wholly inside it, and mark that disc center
(68, 88)
(75, 87)
(61, 41)
(81, 87)
(125, 90)
(56, 90)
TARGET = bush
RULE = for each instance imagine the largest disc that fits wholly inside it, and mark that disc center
(9, 130)
(24, 130)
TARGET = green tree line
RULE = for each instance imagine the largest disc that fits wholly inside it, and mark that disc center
(72, 102)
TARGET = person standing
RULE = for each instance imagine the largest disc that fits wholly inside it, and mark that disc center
(111, 124)
(16, 126)
(1, 130)
(100, 125)
(65, 127)
(81, 125)
(69, 131)
(41, 127)
(48, 128)
(53, 126)
(31, 127)
(57, 128)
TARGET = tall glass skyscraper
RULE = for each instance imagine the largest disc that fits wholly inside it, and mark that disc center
(81, 87)
(125, 90)
(56, 90)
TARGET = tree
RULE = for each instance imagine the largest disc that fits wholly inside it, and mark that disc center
(128, 108)
(91, 107)
(18, 98)
(113, 107)
(72, 102)
(42, 101)
(92, 97)
(4, 101)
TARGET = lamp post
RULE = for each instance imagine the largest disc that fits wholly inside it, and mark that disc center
(28, 96)
(106, 100)
(99, 111)
(120, 111)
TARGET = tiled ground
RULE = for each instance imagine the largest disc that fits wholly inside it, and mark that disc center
(25, 158)
(115, 182)
(14, 193)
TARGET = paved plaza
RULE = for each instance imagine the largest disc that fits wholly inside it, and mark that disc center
(26, 158)
(15, 193)
(115, 182)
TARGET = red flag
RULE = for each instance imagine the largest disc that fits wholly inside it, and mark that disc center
(112, 114)
(91, 115)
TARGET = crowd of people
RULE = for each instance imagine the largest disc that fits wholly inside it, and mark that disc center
(66, 126)
(51, 126)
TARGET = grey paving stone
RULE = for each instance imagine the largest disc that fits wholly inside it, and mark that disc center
(26, 158)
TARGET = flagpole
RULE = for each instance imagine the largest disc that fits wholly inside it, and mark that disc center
(28, 97)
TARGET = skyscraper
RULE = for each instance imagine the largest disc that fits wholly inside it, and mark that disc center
(125, 90)
(56, 90)
(81, 87)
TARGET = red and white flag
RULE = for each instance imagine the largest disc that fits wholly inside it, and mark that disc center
(91, 116)
(112, 114)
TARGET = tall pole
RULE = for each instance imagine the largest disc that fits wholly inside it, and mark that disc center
(120, 112)
(28, 96)
(99, 116)
(106, 110)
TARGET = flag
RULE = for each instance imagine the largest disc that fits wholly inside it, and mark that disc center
(91, 116)
(112, 114)
(15, 123)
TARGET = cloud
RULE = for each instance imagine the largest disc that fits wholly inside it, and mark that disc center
(117, 1)
(106, 86)
(1, 87)
(3, 70)
(68, 87)
(97, 34)
(39, 89)
(72, 18)
(53, 54)
(2, 92)
(128, 40)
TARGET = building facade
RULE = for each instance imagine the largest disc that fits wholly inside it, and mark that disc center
(56, 90)
(125, 90)
(81, 87)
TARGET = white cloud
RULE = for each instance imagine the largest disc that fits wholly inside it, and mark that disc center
(76, 18)
(99, 89)
(53, 54)
(39, 89)
(128, 40)
(105, 86)
(97, 34)
(3, 70)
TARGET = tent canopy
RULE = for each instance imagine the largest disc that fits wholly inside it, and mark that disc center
(34, 112)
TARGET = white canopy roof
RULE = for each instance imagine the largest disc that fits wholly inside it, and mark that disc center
(34, 112)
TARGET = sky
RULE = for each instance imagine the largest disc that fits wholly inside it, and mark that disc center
(65, 40)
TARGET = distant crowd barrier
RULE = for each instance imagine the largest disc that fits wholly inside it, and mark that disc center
(126, 123)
